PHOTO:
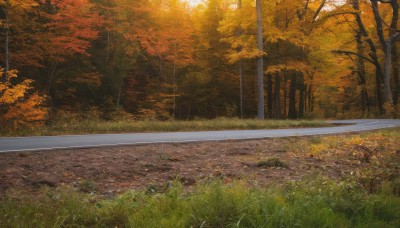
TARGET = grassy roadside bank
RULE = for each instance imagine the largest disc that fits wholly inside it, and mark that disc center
(310, 203)
(362, 191)
(89, 126)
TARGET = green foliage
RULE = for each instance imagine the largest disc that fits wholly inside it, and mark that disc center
(310, 203)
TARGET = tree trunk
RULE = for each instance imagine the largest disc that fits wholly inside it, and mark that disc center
(361, 74)
(395, 55)
(241, 88)
(4, 77)
(51, 76)
(388, 59)
(277, 97)
(373, 55)
(174, 92)
(292, 97)
(270, 98)
(308, 97)
(379, 26)
(284, 96)
(301, 99)
(396, 70)
(119, 94)
(260, 67)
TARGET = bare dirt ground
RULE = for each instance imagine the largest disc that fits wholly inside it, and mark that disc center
(111, 170)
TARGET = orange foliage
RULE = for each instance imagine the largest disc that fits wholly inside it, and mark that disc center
(20, 106)
(71, 29)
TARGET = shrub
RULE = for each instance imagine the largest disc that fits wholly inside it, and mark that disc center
(21, 107)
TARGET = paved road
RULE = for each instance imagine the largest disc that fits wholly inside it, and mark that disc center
(15, 144)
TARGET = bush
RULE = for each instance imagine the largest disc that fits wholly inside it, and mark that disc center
(21, 107)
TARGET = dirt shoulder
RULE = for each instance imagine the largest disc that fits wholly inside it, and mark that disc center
(111, 170)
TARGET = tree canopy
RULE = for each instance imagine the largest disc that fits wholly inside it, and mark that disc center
(173, 59)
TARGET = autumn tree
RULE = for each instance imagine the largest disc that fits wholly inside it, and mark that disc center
(238, 29)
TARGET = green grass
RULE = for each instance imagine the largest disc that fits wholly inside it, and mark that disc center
(272, 162)
(88, 126)
(314, 203)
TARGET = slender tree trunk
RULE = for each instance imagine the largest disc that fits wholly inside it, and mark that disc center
(51, 76)
(379, 97)
(260, 65)
(284, 96)
(395, 55)
(292, 97)
(310, 95)
(302, 102)
(388, 59)
(311, 102)
(174, 95)
(362, 74)
(277, 97)
(119, 94)
(108, 56)
(269, 96)
(301, 98)
(396, 70)
(4, 77)
(309, 98)
(241, 88)
(305, 98)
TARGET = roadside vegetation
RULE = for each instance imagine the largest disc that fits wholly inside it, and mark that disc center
(310, 203)
(366, 193)
(73, 125)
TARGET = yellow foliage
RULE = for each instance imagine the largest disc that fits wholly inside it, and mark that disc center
(356, 140)
(20, 106)
(315, 149)
(290, 66)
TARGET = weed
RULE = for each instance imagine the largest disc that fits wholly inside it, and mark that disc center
(272, 162)
(86, 186)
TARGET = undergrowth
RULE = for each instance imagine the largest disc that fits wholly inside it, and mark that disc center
(73, 125)
(317, 202)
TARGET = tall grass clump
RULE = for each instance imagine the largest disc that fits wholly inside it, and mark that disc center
(316, 203)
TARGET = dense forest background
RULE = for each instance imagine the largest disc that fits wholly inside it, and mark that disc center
(168, 59)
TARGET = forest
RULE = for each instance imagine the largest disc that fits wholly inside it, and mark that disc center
(185, 60)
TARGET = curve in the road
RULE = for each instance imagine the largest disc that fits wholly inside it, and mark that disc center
(16, 144)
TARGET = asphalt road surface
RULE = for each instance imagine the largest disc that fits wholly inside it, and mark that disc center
(15, 144)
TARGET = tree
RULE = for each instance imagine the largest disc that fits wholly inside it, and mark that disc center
(260, 64)
(70, 28)
(14, 8)
(21, 107)
(238, 29)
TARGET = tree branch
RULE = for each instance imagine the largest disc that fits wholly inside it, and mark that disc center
(319, 10)
(343, 52)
